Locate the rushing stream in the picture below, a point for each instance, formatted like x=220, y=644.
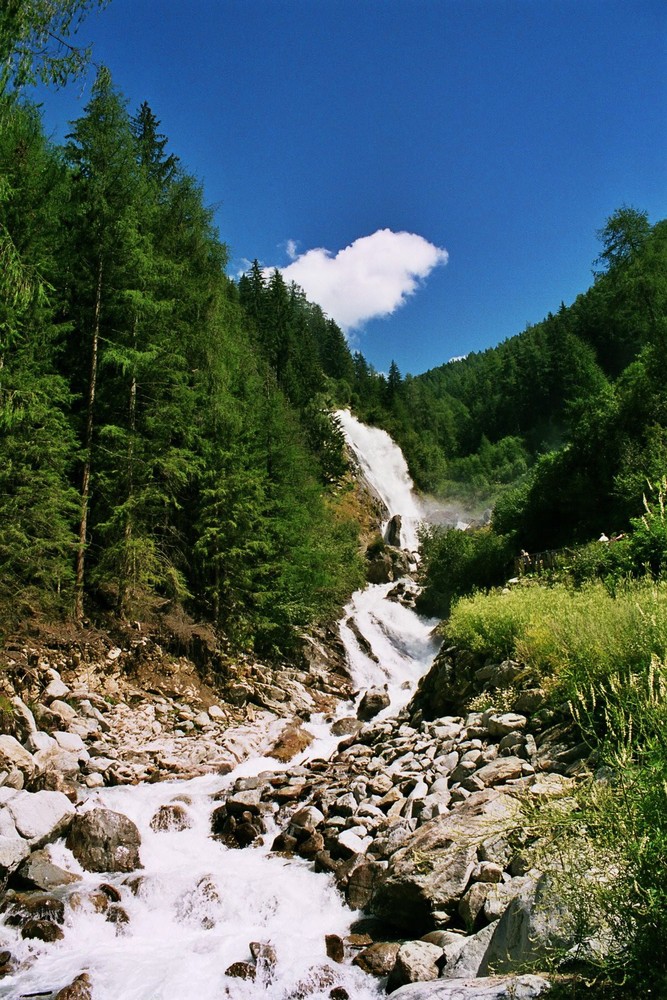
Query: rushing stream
x=199, y=904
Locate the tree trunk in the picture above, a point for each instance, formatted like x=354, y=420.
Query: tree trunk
x=128, y=570
x=85, y=483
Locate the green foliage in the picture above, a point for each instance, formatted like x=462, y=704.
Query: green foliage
x=455, y=563
x=166, y=431
x=603, y=662
x=570, y=638
x=648, y=541
x=33, y=41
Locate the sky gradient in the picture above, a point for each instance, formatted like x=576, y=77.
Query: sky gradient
x=432, y=171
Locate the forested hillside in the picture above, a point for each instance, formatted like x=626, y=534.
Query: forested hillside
x=474, y=425
x=166, y=433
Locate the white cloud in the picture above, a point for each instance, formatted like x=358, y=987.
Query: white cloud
x=371, y=277
x=291, y=249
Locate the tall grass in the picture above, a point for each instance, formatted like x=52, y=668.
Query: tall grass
x=602, y=660
x=571, y=639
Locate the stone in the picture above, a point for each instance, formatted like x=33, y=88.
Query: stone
x=378, y=959
x=416, y=961
x=335, y=947
x=14, y=757
x=352, y=843
x=508, y=722
x=216, y=713
x=492, y=988
x=105, y=841
x=71, y=743
x=348, y=726
x=533, y=925
x=80, y=989
x=24, y=721
x=42, y=930
x=63, y=711
x=56, y=689
x=292, y=740
x=39, y=872
x=471, y=905
x=372, y=703
x=469, y=958
x=13, y=850
x=265, y=958
x=361, y=884
x=41, y=816
x=487, y=871
x=500, y=770
x=171, y=817
x=431, y=872
x=241, y=970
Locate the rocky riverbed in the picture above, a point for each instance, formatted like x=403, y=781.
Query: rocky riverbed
x=418, y=821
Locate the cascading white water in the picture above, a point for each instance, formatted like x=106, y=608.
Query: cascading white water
x=198, y=906
x=198, y=903
x=402, y=643
x=384, y=466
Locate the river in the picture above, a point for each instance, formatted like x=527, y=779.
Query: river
x=198, y=904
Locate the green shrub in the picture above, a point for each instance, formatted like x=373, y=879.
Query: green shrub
x=455, y=563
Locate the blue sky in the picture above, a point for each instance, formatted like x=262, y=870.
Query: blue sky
x=462, y=153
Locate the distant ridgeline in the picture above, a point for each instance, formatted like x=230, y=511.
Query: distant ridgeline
x=166, y=435
x=571, y=413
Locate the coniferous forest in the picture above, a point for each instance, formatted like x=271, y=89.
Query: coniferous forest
x=167, y=435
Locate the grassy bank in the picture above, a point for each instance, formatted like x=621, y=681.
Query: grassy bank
x=601, y=660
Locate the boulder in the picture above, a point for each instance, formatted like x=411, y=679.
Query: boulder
x=105, y=841
x=393, y=531
x=80, y=989
x=24, y=720
x=39, y=872
x=15, y=759
x=466, y=961
x=500, y=770
x=292, y=740
x=41, y=816
x=13, y=850
x=534, y=925
x=373, y=702
x=378, y=959
x=431, y=872
x=416, y=961
x=171, y=817
x=492, y=988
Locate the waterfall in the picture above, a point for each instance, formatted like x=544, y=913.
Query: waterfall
x=196, y=904
x=384, y=467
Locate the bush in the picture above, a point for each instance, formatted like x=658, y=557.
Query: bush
x=455, y=563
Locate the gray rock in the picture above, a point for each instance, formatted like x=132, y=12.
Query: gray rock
x=432, y=870
x=500, y=770
x=493, y=988
x=39, y=872
x=15, y=758
x=13, y=850
x=532, y=927
x=41, y=816
x=56, y=689
x=105, y=841
x=373, y=702
x=470, y=956
x=24, y=720
x=63, y=711
x=378, y=959
x=416, y=961
x=501, y=724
